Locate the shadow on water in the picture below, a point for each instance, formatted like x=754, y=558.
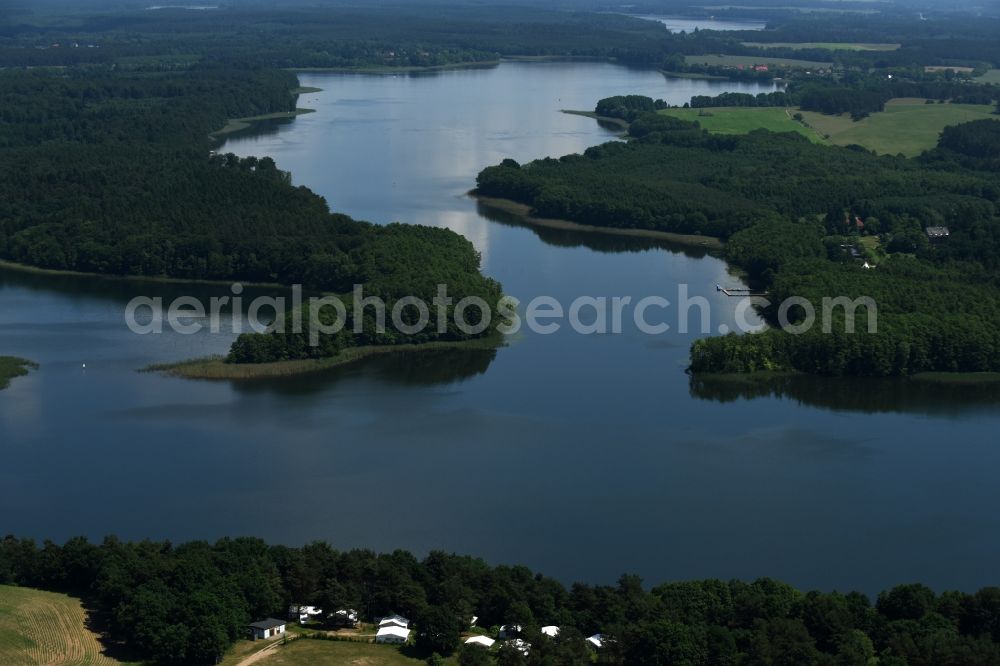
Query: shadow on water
x=425, y=368
x=853, y=394
x=599, y=242
x=121, y=290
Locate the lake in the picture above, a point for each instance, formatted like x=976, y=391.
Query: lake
x=583, y=456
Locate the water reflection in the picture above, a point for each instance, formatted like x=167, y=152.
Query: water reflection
x=868, y=396
x=407, y=368
x=599, y=242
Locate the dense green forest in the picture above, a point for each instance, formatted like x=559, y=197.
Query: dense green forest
x=791, y=211
x=111, y=172
x=188, y=603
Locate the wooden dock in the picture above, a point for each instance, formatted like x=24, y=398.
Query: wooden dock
x=739, y=291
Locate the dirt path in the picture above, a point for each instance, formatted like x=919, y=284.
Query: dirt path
x=266, y=652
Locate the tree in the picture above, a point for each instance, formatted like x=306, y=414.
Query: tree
x=438, y=630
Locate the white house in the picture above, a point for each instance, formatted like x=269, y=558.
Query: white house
x=303, y=614
x=345, y=617
x=392, y=634
x=551, y=631
x=394, y=621
x=480, y=640
x=509, y=631
x=268, y=628
x=596, y=641
x=520, y=645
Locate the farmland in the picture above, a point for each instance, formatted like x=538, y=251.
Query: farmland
x=749, y=61
x=830, y=46
x=740, y=120
x=46, y=628
x=907, y=126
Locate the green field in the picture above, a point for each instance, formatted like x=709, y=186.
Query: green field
x=11, y=367
x=307, y=652
x=739, y=120
x=749, y=61
x=992, y=76
x=46, y=628
x=830, y=46
x=906, y=126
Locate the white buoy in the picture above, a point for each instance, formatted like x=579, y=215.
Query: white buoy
x=84, y=366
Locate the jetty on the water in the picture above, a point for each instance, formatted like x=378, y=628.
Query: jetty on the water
x=739, y=291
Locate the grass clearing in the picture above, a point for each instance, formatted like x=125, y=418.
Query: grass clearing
x=992, y=76
x=11, y=367
x=830, y=46
x=740, y=120
x=750, y=61
x=907, y=126
x=46, y=628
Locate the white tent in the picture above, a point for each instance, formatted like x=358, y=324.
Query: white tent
x=480, y=640
x=551, y=631
x=392, y=634
x=596, y=641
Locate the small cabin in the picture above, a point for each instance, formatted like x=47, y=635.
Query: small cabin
x=269, y=628
x=937, y=233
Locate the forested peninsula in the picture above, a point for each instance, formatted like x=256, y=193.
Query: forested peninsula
x=188, y=603
x=112, y=173
x=809, y=221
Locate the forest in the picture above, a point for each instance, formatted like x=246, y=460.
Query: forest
x=111, y=172
x=790, y=211
x=188, y=603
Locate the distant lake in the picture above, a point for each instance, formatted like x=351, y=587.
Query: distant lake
x=580, y=456
x=679, y=24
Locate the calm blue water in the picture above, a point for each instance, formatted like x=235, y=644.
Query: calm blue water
x=582, y=456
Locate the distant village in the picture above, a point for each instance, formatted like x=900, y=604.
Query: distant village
x=346, y=624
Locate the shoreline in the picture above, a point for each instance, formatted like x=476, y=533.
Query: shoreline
x=403, y=69
x=159, y=279
x=234, y=125
x=929, y=377
x=214, y=368
x=623, y=124
x=523, y=212
x=12, y=367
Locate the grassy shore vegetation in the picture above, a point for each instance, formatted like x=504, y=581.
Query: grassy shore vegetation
x=11, y=367
x=190, y=604
x=39, y=628
x=234, y=125
x=523, y=212
x=221, y=367
x=790, y=211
